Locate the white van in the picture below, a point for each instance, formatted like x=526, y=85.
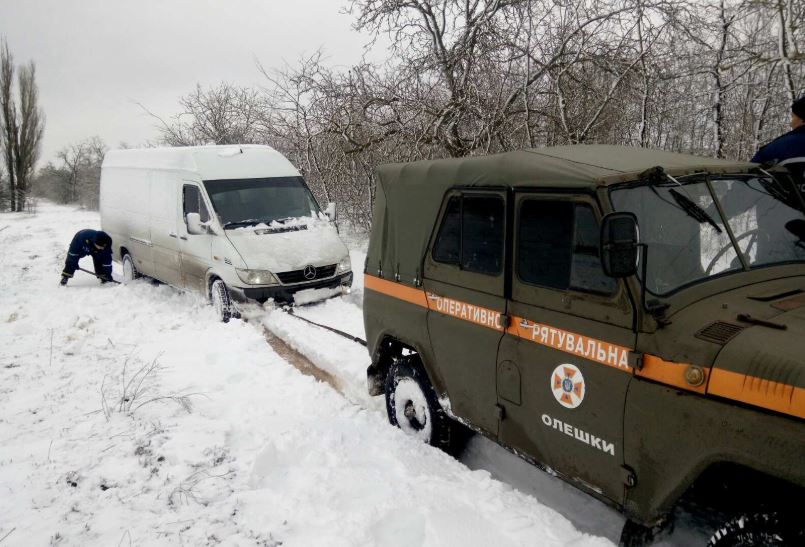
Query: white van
x=233, y=222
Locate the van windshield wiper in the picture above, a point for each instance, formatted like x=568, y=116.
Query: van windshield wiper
x=693, y=210
x=244, y=222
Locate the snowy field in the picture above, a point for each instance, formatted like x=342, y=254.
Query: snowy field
x=130, y=416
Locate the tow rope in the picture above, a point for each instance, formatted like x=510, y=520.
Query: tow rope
x=341, y=333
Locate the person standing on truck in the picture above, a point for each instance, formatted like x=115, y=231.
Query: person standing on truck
x=94, y=243
x=790, y=146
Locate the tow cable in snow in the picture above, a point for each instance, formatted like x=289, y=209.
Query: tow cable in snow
x=341, y=333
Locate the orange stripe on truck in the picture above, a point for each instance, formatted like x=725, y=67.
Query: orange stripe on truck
x=484, y=317
x=671, y=373
x=397, y=290
x=756, y=391
x=783, y=398
x=601, y=352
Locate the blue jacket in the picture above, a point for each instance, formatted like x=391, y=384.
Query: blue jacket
x=83, y=245
x=787, y=146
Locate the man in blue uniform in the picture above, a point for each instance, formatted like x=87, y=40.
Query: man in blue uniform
x=787, y=148
x=92, y=243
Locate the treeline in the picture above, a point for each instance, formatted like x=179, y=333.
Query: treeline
x=464, y=77
x=75, y=175
x=476, y=77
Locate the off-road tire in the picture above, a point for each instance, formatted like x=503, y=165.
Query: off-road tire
x=757, y=530
x=220, y=300
x=412, y=405
x=130, y=272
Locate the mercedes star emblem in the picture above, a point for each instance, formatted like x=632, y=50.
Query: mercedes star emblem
x=309, y=272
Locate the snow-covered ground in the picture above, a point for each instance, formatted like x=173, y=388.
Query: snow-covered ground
x=130, y=416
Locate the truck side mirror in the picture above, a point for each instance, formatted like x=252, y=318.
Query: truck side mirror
x=331, y=212
x=619, y=244
x=194, y=225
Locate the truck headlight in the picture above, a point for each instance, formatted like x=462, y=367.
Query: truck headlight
x=344, y=266
x=256, y=277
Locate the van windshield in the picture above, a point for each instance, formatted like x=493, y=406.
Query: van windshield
x=706, y=226
x=246, y=202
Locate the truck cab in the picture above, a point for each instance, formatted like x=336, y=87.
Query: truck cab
x=630, y=319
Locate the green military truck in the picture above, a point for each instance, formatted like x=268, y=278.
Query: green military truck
x=631, y=319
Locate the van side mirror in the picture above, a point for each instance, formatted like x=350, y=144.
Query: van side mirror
x=619, y=244
x=331, y=212
x=194, y=224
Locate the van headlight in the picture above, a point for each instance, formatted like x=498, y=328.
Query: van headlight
x=344, y=266
x=256, y=277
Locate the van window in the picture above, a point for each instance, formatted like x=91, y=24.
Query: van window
x=247, y=202
x=193, y=203
x=558, y=247
x=471, y=234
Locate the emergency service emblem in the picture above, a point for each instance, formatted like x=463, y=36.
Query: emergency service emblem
x=567, y=384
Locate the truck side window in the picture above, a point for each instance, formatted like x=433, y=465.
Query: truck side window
x=586, y=273
x=482, y=221
x=558, y=247
x=447, y=247
x=471, y=234
x=191, y=197
x=544, y=236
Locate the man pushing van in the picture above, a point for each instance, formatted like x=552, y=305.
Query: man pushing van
x=94, y=243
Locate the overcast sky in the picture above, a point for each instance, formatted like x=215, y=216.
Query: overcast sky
x=96, y=59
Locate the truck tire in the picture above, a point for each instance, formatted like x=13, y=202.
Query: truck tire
x=412, y=406
x=219, y=296
x=130, y=272
x=756, y=530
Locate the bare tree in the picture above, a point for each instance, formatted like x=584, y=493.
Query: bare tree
x=8, y=120
x=79, y=171
x=22, y=126
x=31, y=130
x=486, y=76
x=225, y=114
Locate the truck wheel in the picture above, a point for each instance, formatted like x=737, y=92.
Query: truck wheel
x=412, y=406
x=130, y=272
x=756, y=530
x=219, y=295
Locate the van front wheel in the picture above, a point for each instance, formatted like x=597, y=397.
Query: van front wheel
x=130, y=272
x=412, y=406
x=219, y=295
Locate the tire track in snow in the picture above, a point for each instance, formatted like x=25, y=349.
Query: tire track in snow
x=300, y=362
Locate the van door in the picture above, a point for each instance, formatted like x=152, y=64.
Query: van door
x=464, y=283
x=564, y=364
x=165, y=210
x=195, y=248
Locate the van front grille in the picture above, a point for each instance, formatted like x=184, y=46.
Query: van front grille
x=298, y=276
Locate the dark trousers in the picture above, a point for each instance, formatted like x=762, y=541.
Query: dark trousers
x=71, y=264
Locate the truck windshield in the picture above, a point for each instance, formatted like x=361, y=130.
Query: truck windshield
x=685, y=226
x=246, y=202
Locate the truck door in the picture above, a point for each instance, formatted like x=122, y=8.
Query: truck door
x=165, y=210
x=564, y=364
x=464, y=283
x=195, y=248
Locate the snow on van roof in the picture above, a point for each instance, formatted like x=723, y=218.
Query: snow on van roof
x=209, y=162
